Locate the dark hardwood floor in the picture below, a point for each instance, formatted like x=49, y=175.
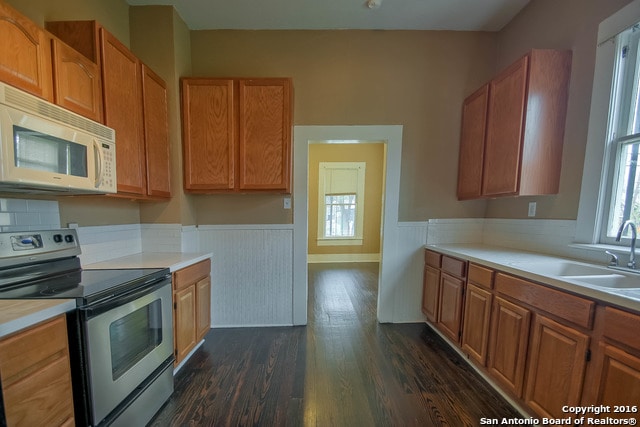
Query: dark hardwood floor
x=342, y=369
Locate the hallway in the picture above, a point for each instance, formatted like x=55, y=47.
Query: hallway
x=343, y=369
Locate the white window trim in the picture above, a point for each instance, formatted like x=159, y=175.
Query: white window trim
x=356, y=240
x=595, y=180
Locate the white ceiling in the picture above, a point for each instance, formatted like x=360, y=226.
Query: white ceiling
x=460, y=15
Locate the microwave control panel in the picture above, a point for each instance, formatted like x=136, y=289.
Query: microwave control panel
x=108, y=171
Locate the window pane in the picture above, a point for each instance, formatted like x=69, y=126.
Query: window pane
x=340, y=215
x=625, y=202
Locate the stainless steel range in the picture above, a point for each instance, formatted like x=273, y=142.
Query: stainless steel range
x=121, y=335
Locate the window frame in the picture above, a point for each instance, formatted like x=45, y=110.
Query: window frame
x=599, y=163
x=357, y=239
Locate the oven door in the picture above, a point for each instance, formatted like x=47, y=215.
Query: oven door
x=127, y=339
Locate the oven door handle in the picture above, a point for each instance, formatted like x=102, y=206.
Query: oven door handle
x=110, y=302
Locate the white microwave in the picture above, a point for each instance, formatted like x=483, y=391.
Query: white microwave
x=48, y=149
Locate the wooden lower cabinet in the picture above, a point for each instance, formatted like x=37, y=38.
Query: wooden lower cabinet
x=475, y=329
x=450, y=310
x=36, y=376
x=557, y=362
x=508, y=344
x=430, y=291
x=192, y=307
x=619, y=378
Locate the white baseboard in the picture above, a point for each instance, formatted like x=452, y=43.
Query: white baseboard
x=324, y=258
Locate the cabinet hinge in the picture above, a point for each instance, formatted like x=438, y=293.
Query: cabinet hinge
x=175, y=305
x=587, y=355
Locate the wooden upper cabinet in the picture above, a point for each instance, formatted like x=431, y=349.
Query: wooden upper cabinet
x=474, y=123
x=25, y=54
x=156, y=133
x=504, y=130
x=77, y=82
x=209, y=134
x=525, y=119
x=134, y=105
x=265, y=134
x=237, y=134
x=121, y=80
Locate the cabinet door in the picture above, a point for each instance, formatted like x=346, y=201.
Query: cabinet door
x=504, y=131
x=265, y=134
x=209, y=132
x=156, y=134
x=474, y=121
x=450, y=312
x=430, y=292
x=185, y=322
x=619, y=378
x=77, y=82
x=556, y=367
x=122, y=84
x=203, y=296
x=508, y=344
x=475, y=330
x=25, y=54
x=36, y=376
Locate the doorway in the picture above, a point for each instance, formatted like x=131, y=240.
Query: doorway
x=303, y=136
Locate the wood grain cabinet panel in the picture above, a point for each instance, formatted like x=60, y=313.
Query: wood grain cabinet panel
x=203, y=312
x=25, y=54
x=471, y=156
x=619, y=378
x=237, y=134
x=209, y=134
x=525, y=118
x=508, y=346
x=450, y=306
x=185, y=322
x=36, y=376
x=477, y=316
x=156, y=134
x=430, y=293
x=122, y=82
x=265, y=134
x=77, y=82
x=556, y=367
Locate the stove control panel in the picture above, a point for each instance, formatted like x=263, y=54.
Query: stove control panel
x=38, y=245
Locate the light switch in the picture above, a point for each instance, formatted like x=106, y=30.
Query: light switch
x=287, y=202
x=532, y=208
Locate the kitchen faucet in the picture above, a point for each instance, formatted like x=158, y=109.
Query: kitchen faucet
x=634, y=232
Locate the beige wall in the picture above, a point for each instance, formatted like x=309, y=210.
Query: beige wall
x=566, y=24
x=373, y=155
x=416, y=79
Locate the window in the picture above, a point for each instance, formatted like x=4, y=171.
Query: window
x=623, y=135
x=341, y=203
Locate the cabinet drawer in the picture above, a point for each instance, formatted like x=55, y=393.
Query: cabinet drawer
x=563, y=305
x=19, y=357
x=454, y=266
x=191, y=274
x=481, y=276
x=622, y=327
x=432, y=258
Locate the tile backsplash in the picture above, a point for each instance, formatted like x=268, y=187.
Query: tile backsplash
x=24, y=214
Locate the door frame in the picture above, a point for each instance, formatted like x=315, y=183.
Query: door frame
x=391, y=136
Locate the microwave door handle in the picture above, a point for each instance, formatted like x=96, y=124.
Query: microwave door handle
x=99, y=162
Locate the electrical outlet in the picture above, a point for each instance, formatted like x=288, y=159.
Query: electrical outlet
x=287, y=202
x=532, y=208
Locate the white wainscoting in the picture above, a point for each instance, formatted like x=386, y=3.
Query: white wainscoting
x=252, y=274
x=105, y=242
x=407, y=290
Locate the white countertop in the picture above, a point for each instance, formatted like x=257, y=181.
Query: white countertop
x=503, y=259
x=172, y=260
x=16, y=315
